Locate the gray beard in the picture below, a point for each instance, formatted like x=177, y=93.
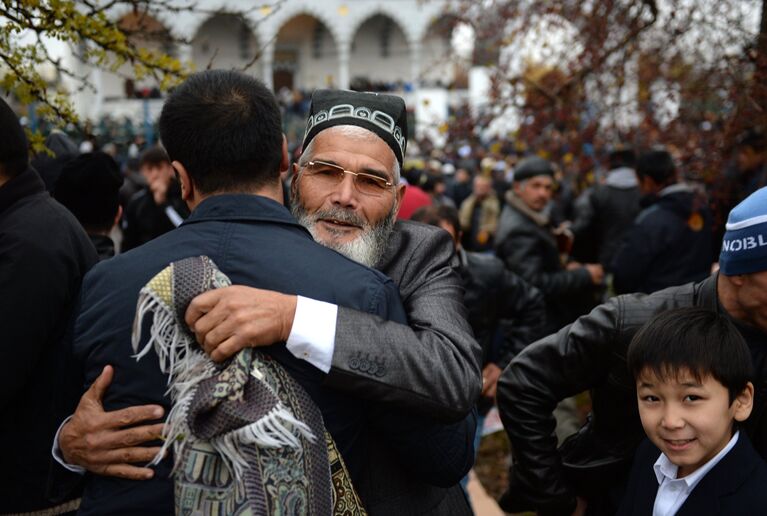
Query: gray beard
x=367, y=249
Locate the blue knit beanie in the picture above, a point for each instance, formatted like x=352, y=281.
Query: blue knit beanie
x=744, y=248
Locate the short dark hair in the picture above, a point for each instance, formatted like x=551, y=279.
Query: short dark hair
x=433, y=215
x=14, y=156
x=658, y=165
x=695, y=339
x=225, y=128
x=88, y=186
x=754, y=139
x=153, y=156
x=622, y=157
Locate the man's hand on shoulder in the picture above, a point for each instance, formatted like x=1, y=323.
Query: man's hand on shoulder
x=229, y=319
x=102, y=443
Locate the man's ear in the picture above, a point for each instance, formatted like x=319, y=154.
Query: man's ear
x=400, y=193
x=187, y=187
x=743, y=403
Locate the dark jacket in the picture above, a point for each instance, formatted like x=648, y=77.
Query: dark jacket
x=603, y=214
x=145, y=220
x=44, y=254
x=735, y=486
x=669, y=244
x=505, y=312
x=255, y=242
x=528, y=248
x=591, y=354
x=105, y=246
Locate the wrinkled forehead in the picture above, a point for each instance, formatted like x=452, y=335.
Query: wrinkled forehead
x=352, y=140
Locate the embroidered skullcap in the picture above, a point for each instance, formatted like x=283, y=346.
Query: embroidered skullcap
x=531, y=167
x=384, y=115
x=744, y=247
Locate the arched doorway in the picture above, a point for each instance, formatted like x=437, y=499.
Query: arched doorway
x=305, y=55
x=380, y=56
x=226, y=41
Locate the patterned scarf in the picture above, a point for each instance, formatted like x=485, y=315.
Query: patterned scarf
x=244, y=433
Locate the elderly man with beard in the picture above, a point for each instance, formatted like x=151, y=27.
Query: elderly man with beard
x=345, y=191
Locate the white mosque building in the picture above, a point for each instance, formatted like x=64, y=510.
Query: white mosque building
x=405, y=46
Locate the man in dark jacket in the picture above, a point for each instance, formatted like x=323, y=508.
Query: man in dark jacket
x=670, y=242
x=747, y=174
x=89, y=186
x=156, y=209
x=527, y=245
x=505, y=312
x=604, y=212
x=591, y=354
x=44, y=254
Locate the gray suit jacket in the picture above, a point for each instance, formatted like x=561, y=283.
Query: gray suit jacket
x=432, y=365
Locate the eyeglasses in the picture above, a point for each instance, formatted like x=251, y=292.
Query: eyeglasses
x=330, y=176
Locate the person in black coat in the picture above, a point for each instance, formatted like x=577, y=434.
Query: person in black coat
x=44, y=254
x=505, y=312
x=606, y=211
x=156, y=209
x=692, y=371
x=527, y=244
x=89, y=187
x=670, y=241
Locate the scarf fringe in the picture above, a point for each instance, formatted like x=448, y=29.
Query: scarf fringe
x=187, y=367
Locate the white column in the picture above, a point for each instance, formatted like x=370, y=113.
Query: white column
x=267, y=61
x=344, y=51
x=415, y=64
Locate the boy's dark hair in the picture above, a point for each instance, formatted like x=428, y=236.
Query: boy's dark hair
x=88, y=186
x=697, y=340
x=153, y=156
x=14, y=157
x=225, y=128
x=433, y=215
x=658, y=165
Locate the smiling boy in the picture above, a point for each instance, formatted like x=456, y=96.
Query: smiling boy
x=692, y=371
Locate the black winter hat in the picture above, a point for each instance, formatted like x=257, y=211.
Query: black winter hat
x=385, y=115
x=531, y=167
x=88, y=186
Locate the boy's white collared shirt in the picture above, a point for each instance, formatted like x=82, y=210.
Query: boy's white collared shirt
x=672, y=491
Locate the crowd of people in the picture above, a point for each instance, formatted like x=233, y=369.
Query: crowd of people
x=231, y=321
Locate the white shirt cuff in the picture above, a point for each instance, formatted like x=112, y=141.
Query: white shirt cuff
x=56, y=451
x=313, y=335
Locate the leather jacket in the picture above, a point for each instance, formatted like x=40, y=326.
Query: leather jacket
x=528, y=248
x=591, y=354
x=496, y=298
x=603, y=214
